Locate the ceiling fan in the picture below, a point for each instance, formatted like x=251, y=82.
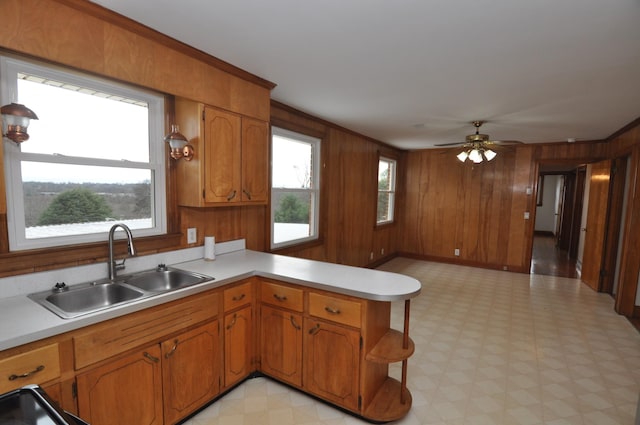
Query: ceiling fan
x=477, y=147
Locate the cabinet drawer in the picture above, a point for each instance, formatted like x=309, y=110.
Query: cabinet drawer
x=125, y=333
x=238, y=296
x=281, y=296
x=39, y=365
x=335, y=309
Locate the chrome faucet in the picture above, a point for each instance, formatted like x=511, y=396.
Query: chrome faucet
x=113, y=263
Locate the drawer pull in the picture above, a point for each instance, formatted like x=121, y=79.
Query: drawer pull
x=231, y=195
x=315, y=329
x=293, y=323
x=233, y=322
x=332, y=310
x=173, y=349
x=150, y=357
x=280, y=298
x=238, y=297
x=27, y=374
x=247, y=193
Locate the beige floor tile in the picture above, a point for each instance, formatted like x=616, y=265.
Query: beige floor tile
x=492, y=347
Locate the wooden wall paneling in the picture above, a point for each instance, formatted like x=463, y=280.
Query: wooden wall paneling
x=254, y=223
x=521, y=230
x=52, y=31
x=629, y=265
x=129, y=57
x=408, y=210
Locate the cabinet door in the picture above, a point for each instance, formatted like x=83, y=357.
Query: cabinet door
x=222, y=156
x=190, y=371
x=332, y=363
x=125, y=391
x=238, y=331
x=255, y=161
x=281, y=344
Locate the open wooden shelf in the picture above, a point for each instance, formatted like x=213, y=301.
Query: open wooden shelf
x=389, y=348
x=387, y=404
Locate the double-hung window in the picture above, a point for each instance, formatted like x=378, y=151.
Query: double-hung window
x=295, y=187
x=94, y=157
x=386, y=190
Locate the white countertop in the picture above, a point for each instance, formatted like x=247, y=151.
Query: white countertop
x=22, y=320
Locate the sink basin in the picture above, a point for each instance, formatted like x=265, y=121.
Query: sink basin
x=76, y=300
x=89, y=298
x=163, y=279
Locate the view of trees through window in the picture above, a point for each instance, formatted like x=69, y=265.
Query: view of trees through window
x=48, y=203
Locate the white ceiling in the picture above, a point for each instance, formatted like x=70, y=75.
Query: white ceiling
x=413, y=73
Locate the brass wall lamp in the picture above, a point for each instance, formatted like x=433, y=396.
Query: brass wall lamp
x=180, y=147
x=15, y=121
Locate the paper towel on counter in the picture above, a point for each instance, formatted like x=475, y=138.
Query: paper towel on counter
x=209, y=248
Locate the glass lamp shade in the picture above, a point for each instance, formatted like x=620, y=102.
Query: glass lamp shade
x=15, y=121
x=462, y=156
x=179, y=144
x=489, y=154
x=475, y=156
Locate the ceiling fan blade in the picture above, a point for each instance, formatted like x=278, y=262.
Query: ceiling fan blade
x=449, y=144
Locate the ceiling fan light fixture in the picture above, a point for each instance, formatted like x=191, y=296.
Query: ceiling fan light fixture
x=462, y=156
x=475, y=156
x=489, y=154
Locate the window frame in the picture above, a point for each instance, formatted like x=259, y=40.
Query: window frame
x=10, y=66
x=314, y=190
x=392, y=192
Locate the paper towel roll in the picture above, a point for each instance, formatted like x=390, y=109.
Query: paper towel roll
x=209, y=248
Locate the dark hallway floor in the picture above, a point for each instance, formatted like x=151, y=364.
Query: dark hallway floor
x=548, y=260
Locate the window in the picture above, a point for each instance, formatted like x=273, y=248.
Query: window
x=295, y=177
x=94, y=157
x=386, y=190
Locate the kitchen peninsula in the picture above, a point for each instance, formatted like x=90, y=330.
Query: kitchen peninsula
x=321, y=328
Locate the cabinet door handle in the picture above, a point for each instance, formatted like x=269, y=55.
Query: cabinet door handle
x=293, y=323
x=280, y=298
x=150, y=357
x=26, y=374
x=238, y=297
x=246, y=192
x=173, y=349
x=315, y=329
x=332, y=310
x=231, y=195
x=233, y=322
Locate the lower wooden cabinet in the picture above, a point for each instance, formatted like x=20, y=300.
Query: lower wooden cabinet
x=190, y=371
x=238, y=345
x=159, y=384
x=281, y=344
x=124, y=391
x=332, y=363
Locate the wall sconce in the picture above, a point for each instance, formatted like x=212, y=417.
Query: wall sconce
x=180, y=147
x=15, y=120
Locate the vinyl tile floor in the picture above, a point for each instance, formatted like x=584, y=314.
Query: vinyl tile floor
x=492, y=347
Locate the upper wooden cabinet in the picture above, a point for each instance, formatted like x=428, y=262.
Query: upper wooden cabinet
x=231, y=162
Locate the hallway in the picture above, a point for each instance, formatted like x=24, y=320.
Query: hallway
x=548, y=260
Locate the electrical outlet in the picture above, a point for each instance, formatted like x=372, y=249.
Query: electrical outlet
x=456, y=252
x=371, y=255
x=381, y=251
x=192, y=235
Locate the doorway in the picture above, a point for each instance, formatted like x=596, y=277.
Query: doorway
x=558, y=216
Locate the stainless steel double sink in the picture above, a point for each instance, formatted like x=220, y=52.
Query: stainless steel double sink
x=73, y=301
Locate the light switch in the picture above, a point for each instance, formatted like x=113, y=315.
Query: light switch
x=526, y=215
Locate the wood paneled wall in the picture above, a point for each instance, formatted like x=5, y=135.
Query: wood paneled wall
x=478, y=208
x=349, y=189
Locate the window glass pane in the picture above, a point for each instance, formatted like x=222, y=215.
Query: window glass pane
x=292, y=215
x=292, y=163
x=64, y=199
x=84, y=123
x=386, y=190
